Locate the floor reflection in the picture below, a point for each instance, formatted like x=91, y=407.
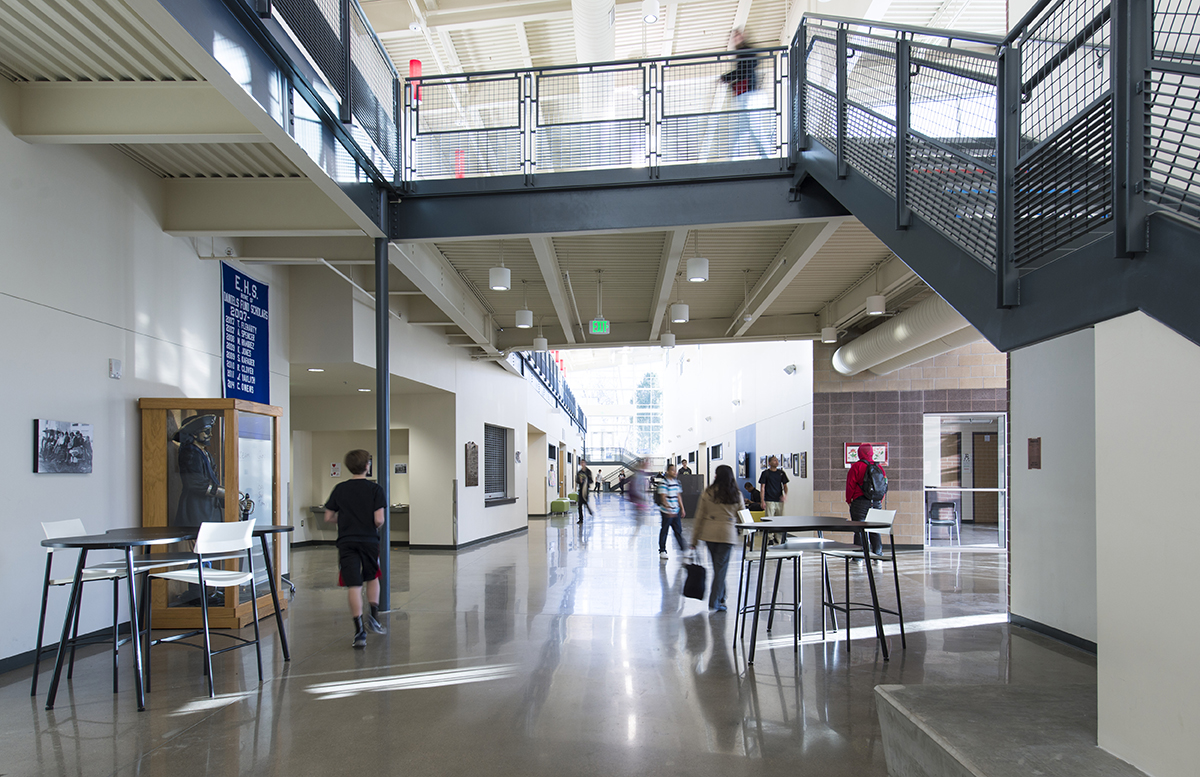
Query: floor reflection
x=569, y=649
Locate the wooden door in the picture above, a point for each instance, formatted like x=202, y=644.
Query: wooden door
x=986, y=450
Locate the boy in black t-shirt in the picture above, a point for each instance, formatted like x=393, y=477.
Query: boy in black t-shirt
x=357, y=505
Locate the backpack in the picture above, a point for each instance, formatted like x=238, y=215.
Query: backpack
x=875, y=483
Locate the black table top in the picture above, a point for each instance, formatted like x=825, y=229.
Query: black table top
x=142, y=536
x=810, y=523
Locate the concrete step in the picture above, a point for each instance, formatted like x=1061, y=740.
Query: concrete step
x=993, y=731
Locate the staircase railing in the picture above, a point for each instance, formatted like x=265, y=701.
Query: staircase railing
x=1072, y=129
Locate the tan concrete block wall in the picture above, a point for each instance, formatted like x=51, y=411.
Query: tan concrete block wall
x=909, y=528
x=974, y=366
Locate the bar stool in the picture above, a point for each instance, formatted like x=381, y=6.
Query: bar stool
x=791, y=550
x=848, y=551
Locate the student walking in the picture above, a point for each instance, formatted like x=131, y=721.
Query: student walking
x=670, y=508
x=583, y=487
x=357, y=505
x=774, y=487
x=860, y=501
x=716, y=519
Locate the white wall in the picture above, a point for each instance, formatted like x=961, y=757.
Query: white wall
x=1053, y=526
x=738, y=385
x=88, y=275
x=1147, y=415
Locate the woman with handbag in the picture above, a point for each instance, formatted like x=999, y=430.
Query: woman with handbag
x=716, y=522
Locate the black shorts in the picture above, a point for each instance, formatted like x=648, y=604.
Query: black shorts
x=357, y=561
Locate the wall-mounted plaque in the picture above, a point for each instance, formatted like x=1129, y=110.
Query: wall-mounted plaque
x=1035, y=453
x=472, y=464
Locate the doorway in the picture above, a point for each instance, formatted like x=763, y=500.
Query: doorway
x=966, y=481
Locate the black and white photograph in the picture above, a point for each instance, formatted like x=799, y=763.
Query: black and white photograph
x=62, y=446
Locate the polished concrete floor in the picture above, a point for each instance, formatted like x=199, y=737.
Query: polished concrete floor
x=567, y=650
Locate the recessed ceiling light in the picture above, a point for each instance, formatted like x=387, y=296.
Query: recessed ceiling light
x=364, y=389
x=315, y=369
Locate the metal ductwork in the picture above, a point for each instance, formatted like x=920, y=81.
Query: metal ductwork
x=595, y=34
x=920, y=325
x=964, y=336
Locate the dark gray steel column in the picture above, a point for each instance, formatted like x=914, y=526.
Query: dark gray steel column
x=383, y=417
x=903, y=113
x=1132, y=49
x=840, y=109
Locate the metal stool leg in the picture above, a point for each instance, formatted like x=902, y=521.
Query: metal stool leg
x=37, y=653
x=774, y=595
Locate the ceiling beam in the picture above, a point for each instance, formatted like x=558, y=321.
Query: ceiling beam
x=547, y=259
x=741, y=15
x=803, y=326
x=796, y=253
x=523, y=42
x=130, y=112
x=252, y=207
x=668, y=266
x=431, y=272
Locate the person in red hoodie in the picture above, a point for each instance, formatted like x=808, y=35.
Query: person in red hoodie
x=859, y=504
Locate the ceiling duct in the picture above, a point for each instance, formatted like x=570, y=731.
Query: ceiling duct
x=595, y=30
x=958, y=339
x=923, y=323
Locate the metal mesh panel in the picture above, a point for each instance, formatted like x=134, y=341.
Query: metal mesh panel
x=871, y=147
x=606, y=95
x=822, y=124
x=871, y=74
x=1173, y=142
x=468, y=154
x=956, y=197
x=317, y=23
x=1064, y=189
x=953, y=98
x=371, y=98
x=495, y=461
x=1177, y=31
x=719, y=136
x=1065, y=66
x=591, y=146
x=701, y=87
x=459, y=104
x=821, y=64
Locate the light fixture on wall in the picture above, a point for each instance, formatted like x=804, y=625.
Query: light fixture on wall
x=650, y=11
x=790, y=369
x=499, y=278
x=524, y=315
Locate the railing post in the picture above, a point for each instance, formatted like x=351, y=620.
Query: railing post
x=903, y=105
x=398, y=112
x=1008, y=149
x=651, y=92
x=528, y=118
x=782, y=114
x=263, y=8
x=345, y=109
x=1132, y=47
x=840, y=108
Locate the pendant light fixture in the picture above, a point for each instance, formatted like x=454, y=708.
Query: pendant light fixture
x=539, y=342
x=499, y=278
x=876, y=303
x=679, y=310
x=666, y=339
x=524, y=315
x=828, y=333
x=697, y=266
x=650, y=11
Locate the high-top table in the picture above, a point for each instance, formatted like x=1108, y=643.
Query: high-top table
x=818, y=523
x=127, y=540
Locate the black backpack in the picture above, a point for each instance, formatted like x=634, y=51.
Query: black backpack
x=874, y=484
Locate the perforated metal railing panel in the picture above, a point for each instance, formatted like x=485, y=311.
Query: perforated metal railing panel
x=317, y=23
x=956, y=196
x=591, y=120
x=1172, y=150
x=372, y=97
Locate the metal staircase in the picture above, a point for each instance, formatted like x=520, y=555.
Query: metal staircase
x=1041, y=182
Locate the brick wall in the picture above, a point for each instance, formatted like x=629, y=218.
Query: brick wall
x=891, y=408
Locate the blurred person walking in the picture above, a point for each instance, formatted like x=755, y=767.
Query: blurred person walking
x=716, y=521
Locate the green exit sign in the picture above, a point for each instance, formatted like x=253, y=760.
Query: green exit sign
x=599, y=326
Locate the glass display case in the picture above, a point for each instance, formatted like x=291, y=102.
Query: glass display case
x=210, y=460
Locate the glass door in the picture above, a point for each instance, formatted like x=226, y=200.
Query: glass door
x=966, y=481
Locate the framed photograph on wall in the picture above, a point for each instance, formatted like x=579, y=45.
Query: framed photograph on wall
x=62, y=446
x=796, y=464
x=471, y=454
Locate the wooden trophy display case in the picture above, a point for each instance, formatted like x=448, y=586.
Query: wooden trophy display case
x=210, y=460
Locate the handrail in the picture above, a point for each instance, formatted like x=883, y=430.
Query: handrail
x=1019, y=28
x=933, y=32
x=514, y=72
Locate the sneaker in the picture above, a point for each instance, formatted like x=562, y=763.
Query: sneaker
x=360, y=639
x=374, y=625
x=662, y=554
x=719, y=608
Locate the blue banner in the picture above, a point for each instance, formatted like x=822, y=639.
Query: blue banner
x=246, y=373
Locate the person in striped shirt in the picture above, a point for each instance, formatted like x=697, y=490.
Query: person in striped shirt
x=670, y=508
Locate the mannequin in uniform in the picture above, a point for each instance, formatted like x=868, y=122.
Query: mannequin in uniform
x=202, y=498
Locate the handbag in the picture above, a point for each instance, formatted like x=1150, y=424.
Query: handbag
x=693, y=584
